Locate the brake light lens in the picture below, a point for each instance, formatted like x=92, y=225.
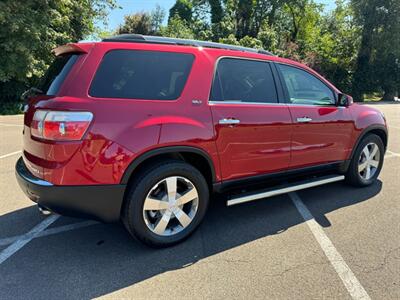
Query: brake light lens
x=60, y=125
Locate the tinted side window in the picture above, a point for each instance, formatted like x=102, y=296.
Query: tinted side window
x=56, y=73
x=304, y=88
x=243, y=81
x=141, y=75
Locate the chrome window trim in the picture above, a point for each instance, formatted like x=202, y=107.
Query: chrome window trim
x=315, y=105
x=266, y=103
x=243, y=103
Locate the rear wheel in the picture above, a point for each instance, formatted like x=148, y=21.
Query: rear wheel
x=367, y=161
x=166, y=203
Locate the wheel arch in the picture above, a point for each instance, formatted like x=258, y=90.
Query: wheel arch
x=379, y=130
x=194, y=156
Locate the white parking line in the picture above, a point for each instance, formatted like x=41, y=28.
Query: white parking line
x=10, y=154
x=391, y=153
x=348, y=278
x=26, y=238
x=51, y=231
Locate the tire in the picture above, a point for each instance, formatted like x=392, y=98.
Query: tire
x=357, y=175
x=149, y=206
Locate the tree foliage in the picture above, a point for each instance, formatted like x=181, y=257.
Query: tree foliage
x=30, y=29
x=356, y=45
x=143, y=22
x=378, y=62
x=298, y=29
x=182, y=9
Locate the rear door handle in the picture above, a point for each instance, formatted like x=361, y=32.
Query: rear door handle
x=304, y=120
x=229, y=121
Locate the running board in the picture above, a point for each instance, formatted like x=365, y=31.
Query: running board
x=283, y=189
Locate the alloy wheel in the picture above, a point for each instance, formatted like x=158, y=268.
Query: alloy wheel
x=170, y=206
x=368, y=162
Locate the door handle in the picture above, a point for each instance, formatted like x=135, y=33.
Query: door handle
x=304, y=120
x=229, y=121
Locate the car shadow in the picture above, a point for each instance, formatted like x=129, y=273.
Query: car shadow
x=100, y=259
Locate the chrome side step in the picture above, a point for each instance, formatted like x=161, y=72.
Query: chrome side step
x=283, y=189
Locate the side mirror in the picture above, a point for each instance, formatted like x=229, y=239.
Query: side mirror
x=344, y=100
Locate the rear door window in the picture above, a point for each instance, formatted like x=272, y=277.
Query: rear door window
x=56, y=73
x=135, y=74
x=243, y=80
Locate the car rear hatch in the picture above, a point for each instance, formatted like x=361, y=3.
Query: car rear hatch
x=52, y=132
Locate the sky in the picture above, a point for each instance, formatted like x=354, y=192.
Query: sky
x=116, y=16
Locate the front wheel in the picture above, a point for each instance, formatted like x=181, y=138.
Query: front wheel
x=367, y=161
x=166, y=203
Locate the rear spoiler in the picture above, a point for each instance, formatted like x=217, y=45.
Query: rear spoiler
x=72, y=47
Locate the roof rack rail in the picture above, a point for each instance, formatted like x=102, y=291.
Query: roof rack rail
x=138, y=38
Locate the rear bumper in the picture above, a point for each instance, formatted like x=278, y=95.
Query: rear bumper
x=99, y=202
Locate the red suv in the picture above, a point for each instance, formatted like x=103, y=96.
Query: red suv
x=143, y=129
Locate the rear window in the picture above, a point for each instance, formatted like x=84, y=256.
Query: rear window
x=135, y=74
x=56, y=73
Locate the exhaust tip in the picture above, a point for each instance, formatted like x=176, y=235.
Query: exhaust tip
x=44, y=211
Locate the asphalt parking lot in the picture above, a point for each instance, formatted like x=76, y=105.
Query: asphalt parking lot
x=332, y=241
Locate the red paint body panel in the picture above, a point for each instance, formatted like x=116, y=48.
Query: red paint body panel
x=259, y=144
x=327, y=138
x=267, y=140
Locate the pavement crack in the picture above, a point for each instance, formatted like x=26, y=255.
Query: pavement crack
x=236, y=260
x=380, y=265
x=297, y=267
x=275, y=274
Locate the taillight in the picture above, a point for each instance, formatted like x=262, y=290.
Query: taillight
x=60, y=125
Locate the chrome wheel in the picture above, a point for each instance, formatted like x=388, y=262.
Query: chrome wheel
x=170, y=206
x=369, y=160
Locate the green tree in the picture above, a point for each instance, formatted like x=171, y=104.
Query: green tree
x=188, y=19
x=378, y=57
x=139, y=23
x=230, y=39
x=30, y=29
x=177, y=28
x=356, y=45
x=251, y=42
x=182, y=9
x=332, y=49
x=216, y=11
x=386, y=63
x=365, y=16
x=157, y=18
x=146, y=23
